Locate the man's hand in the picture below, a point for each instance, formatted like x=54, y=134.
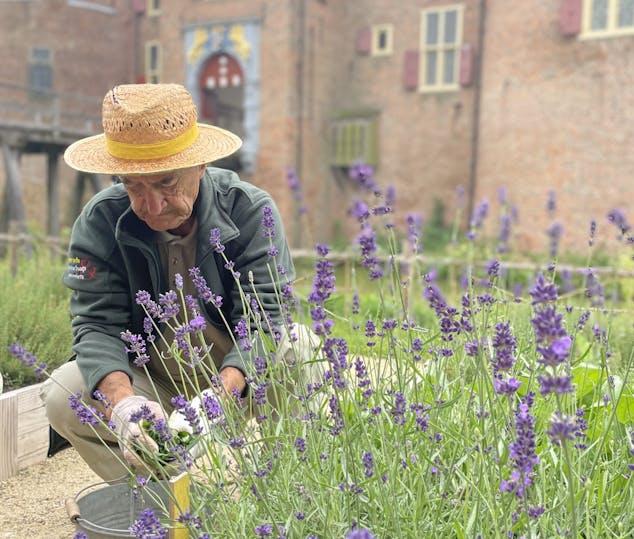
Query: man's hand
x=133, y=440
x=233, y=381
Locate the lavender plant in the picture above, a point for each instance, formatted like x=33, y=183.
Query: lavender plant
x=424, y=410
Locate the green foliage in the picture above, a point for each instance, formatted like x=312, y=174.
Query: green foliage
x=436, y=233
x=399, y=421
x=34, y=314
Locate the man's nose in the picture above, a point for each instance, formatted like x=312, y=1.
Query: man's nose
x=154, y=201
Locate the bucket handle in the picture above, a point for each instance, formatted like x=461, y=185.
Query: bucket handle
x=72, y=507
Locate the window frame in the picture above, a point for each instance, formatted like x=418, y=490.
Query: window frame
x=153, y=8
x=153, y=74
x=40, y=63
x=360, y=128
x=612, y=29
x=440, y=48
x=377, y=30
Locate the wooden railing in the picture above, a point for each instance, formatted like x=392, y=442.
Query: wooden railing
x=72, y=115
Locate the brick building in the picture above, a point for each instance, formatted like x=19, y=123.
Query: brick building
x=435, y=94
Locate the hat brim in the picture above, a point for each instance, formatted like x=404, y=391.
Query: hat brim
x=91, y=155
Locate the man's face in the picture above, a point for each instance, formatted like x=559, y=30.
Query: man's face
x=165, y=201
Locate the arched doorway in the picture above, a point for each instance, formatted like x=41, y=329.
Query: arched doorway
x=221, y=85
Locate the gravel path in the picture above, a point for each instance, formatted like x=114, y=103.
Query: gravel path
x=33, y=501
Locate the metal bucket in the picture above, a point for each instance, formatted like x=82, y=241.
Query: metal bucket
x=111, y=510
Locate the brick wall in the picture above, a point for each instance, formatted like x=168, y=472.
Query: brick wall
x=555, y=112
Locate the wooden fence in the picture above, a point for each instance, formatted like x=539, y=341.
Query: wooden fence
x=24, y=439
x=16, y=244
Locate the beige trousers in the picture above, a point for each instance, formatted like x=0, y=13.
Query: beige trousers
x=98, y=446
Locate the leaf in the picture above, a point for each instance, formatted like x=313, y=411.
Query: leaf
x=586, y=377
x=625, y=408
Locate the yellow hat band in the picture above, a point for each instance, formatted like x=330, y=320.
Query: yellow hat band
x=155, y=150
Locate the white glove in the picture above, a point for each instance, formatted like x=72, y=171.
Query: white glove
x=178, y=423
x=131, y=436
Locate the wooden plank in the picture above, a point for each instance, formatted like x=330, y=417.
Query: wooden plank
x=32, y=432
x=28, y=398
x=24, y=427
x=9, y=437
x=32, y=448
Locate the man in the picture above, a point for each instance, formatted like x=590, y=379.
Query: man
x=141, y=235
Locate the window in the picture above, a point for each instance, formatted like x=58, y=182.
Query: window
x=152, y=62
x=382, y=37
x=441, y=39
x=153, y=7
x=608, y=17
x=354, y=139
x=41, y=70
x=99, y=7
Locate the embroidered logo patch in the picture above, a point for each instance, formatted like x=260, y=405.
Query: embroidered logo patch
x=81, y=268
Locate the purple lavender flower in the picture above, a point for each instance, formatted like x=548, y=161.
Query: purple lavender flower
x=594, y=289
x=551, y=204
x=148, y=526
x=504, y=234
x=583, y=319
x=502, y=196
x=477, y=219
x=593, y=231
x=554, y=233
x=215, y=241
x=562, y=428
x=296, y=189
x=87, y=414
x=363, y=175
x=300, y=444
x=204, y=292
x=26, y=358
x=414, y=228
x=360, y=210
x=493, y=269
x=144, y=299
x=557, y=352
x=368, y=463
x=522, y=450
x=169, y=305
x=555, y=384
x=263, y=530
x=143, y=413
x=543, y=291
x=471, y=348
x=268, y=222
x=335, y=415
x=211, y=405
x=323, y=287
x=436, y=300
x=367, y=242
x=548, y=326
x=504, y=344
x=136, y=346
x=582, y=427
x=399, y=409
x=617, y=217
x=178, y=281
x=189, y=412
x=506, y=386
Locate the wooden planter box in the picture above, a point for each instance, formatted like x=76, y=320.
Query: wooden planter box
x=24, y=438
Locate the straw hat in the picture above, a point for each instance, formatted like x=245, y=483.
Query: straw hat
x=150, y=128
